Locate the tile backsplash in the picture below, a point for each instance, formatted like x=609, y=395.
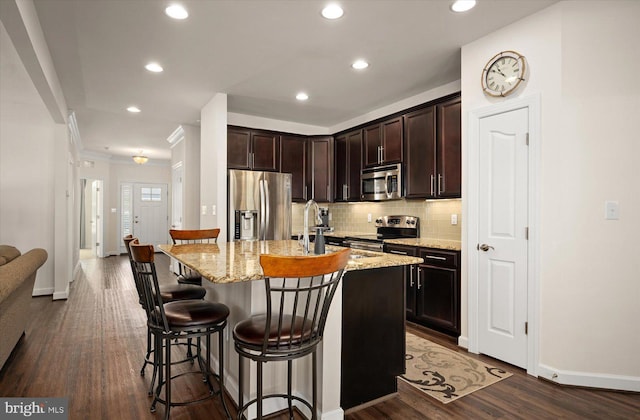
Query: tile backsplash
x=435, y=216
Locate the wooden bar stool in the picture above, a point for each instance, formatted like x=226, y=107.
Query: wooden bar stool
x=193, y=236
x=169, y=293
x=299, y=291
x=169, y=321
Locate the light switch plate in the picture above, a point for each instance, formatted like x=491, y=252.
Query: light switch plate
x=213, y=209
x=369, y=217
x=204, y=210
x=611, y=210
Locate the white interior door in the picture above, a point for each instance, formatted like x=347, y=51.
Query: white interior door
x=176, y=206
x=97, y=245
x=502, y=236
x=150, y=207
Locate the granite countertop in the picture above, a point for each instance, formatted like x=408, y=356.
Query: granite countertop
x=428, y=243
x=233, y=262
x=422, y=242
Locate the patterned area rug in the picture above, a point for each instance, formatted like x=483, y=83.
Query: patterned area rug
x=444, y=374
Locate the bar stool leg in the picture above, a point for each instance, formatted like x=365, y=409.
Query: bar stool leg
x=221, y=372
x=259, y=402
x=240, y=388
x=289, y=400
x=167, y=389
x=314, y=378
x=158, y=363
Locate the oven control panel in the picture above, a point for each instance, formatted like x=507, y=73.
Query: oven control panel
x=398, y=221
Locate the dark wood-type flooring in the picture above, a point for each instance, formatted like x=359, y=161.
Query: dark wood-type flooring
x=89, y=348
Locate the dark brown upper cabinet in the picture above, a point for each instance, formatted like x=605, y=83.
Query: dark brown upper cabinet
x=382, y=142
x=432, y=140
x=348, y=163
x=320, y=167
x=252, y=149
x=449, y=148
x=293, y=160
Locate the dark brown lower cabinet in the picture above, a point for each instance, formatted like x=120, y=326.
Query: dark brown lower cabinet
x=373, y=334
x=432, y=288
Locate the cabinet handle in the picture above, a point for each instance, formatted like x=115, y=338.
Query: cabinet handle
x=433, y=257
x=305, y=192
x=398, y=252
x=381, y=154
x=418, y=279
x=411, y=277
x=345, y=192
x=328, y=192
x=433, y=185
x=440, y=183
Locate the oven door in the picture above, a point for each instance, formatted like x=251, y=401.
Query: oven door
x=382, y=183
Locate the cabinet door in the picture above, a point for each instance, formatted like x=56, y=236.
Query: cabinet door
x=320, y=168
x=265, y=151
x=438, y=297
x=371, y=143
x=354, y=159
x=409, y=273
x=420, y=153
x=392, y=141
x=293, y=160
x=238, y=148
x=449, y=149
x=342, y=166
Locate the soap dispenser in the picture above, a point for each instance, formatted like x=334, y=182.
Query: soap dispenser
x=318, y=246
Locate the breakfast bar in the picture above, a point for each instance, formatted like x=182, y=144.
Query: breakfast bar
x=364, y=335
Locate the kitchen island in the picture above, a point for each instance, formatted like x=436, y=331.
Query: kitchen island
x=362, y=351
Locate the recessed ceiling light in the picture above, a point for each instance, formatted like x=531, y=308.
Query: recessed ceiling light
x=463, y=5
x=154, y=67
x=302, y=96
x=176, y=11
x=332, y=11
x=133, y=109
x=360, y=64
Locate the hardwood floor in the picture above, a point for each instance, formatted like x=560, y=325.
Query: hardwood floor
x=89, y=348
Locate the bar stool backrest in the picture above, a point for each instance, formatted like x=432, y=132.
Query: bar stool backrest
x=193, y=236
x=128, y=240
x=145, y=268
x=299, y=292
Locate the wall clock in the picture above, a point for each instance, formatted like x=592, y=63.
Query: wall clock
x=503, y=73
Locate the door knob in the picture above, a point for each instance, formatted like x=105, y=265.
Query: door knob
x=485, y=247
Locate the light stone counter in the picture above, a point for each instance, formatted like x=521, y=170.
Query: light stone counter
x=233, y=262
x=428, y=243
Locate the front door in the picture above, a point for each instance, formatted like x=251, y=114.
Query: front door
x=150, y=224
x=502, y=236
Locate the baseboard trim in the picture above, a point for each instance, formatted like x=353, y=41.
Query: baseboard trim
x=589, y=379
x=62, y=295
x=463, y=342
x=337, y=414
x=42, y=291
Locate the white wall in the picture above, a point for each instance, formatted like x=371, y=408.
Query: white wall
x=584, y=64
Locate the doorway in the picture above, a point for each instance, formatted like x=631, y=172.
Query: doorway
x=144, y=212
x=91, y=225
x=502, y=232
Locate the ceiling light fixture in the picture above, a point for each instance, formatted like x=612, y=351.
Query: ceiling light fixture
x=460, y=6
x=133, y=109
x=176, y=11
x=332, y=11
x=140, y=159
x=360, y=64
x=302, y=96
x=154, y=67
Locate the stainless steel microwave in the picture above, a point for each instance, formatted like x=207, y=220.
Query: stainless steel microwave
x=381, y=183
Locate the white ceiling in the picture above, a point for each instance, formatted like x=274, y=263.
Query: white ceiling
x=260, y=53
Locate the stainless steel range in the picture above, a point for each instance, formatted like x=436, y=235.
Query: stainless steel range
x=387, y=227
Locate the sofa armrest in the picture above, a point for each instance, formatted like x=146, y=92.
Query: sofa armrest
x=14, y=273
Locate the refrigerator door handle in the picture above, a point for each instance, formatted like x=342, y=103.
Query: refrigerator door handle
x=267, y=218
x=262, y=210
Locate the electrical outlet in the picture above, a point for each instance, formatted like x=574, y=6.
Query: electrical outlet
x=612, y=210
x=369, y=218
x=454, y=219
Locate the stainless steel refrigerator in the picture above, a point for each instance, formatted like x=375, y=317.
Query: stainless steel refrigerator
x=259, y=205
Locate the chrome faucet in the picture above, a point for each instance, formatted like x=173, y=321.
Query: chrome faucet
x=305, y=242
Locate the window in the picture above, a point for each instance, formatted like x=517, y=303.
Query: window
x=150, y=194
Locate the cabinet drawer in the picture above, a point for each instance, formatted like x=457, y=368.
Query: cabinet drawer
x=400, y=250
x=439, y=257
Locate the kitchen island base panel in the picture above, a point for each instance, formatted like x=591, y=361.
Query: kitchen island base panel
x=373, y=334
